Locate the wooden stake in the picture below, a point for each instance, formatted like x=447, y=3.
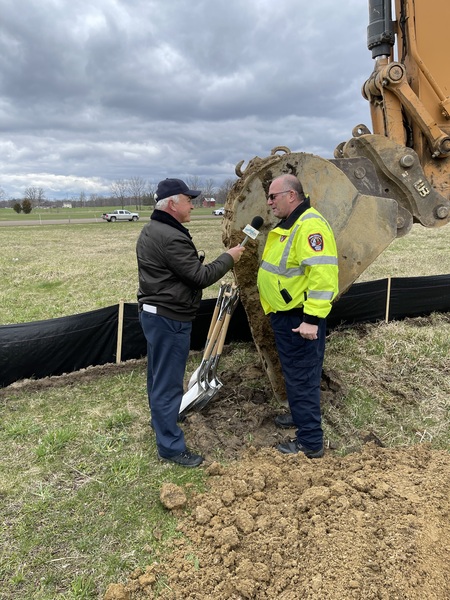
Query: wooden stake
x=119, y=333
x=388, y=299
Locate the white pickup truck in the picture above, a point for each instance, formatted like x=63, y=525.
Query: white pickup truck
x=120, y=215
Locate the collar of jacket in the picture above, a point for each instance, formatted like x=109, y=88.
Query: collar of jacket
x=299, y=210
x=163, y=217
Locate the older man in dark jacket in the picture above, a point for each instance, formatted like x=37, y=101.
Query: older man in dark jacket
x=171, y=280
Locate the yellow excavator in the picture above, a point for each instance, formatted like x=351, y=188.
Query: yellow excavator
x=379, y=183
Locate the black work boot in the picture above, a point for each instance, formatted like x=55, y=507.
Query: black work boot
x=184, y=459
x=284, y=421
x=294, y=447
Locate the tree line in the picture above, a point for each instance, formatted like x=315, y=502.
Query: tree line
x=135, y=191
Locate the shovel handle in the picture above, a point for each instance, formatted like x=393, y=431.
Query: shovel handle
x=223, y=334
x=216, y=310
x=224, y=329
x=212, y=340
x=226, y=298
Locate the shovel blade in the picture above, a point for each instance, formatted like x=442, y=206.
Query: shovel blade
x=193, y=379
x=190, y=396
x=197, y=397
x=208, y=396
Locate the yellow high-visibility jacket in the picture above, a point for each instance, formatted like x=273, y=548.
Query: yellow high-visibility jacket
x=303, y=261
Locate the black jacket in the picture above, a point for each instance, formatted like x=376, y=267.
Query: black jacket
x=171, y=275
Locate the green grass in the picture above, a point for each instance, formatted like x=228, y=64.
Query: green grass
x=50, y=271
x=45, y=214
x=396, y=381
x=79, y=478
x=80, y=488
x=420, y=253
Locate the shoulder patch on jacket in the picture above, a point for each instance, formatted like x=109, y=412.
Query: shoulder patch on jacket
x=316, y=242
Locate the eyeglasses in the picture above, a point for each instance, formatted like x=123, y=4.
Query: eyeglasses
x=272, y=197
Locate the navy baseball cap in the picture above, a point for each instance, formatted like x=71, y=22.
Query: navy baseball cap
x=172, y=187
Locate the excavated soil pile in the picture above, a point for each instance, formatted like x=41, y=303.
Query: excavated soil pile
x=372, y=525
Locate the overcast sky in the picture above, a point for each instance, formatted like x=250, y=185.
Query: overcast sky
x=93, y=91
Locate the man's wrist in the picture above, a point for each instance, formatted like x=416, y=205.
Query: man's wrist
x=311, y=319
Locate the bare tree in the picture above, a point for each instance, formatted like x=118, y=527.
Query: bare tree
x=94, y=199
x=149, y=196
x=137, y=187
x=208, y=188
x=223, y=191
x=119, y=190
x=34, y=195
x=195, y=183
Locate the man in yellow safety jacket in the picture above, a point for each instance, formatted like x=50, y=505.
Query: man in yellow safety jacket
x=297, y=281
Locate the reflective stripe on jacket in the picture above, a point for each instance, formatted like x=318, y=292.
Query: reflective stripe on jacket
x=303, y=261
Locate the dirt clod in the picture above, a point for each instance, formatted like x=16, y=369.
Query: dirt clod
x=172, y=496
x=116, y=591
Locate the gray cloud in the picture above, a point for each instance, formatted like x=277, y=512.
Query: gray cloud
x=91, y=92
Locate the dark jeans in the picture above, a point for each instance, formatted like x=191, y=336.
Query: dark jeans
x=301, y=362
x=168, y=343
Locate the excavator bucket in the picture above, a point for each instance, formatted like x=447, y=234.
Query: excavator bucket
x=378, y=183
x=364, y=224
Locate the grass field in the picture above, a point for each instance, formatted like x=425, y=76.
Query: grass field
x=79, y=479
x=50, y=271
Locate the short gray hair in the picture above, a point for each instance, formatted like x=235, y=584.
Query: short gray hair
x=164, y=203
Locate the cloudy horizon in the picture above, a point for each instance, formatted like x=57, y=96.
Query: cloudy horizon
x=95, y=92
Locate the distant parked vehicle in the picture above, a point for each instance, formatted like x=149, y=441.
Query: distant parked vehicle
x=218, y=212
x=120, y=215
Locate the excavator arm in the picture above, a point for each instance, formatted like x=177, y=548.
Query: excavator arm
x=378, y=184
x=410, y=107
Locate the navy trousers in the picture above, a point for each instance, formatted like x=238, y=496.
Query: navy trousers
x=168, y=344
x=301, y=362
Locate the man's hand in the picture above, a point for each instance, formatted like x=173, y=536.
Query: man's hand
x=236, y=252
x=307, y=331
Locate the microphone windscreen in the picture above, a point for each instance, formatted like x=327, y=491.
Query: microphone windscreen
x=257, y=222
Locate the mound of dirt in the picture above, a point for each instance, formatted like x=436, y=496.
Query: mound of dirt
x=372, y=525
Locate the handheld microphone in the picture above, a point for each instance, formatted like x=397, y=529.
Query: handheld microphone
x=252, y=231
